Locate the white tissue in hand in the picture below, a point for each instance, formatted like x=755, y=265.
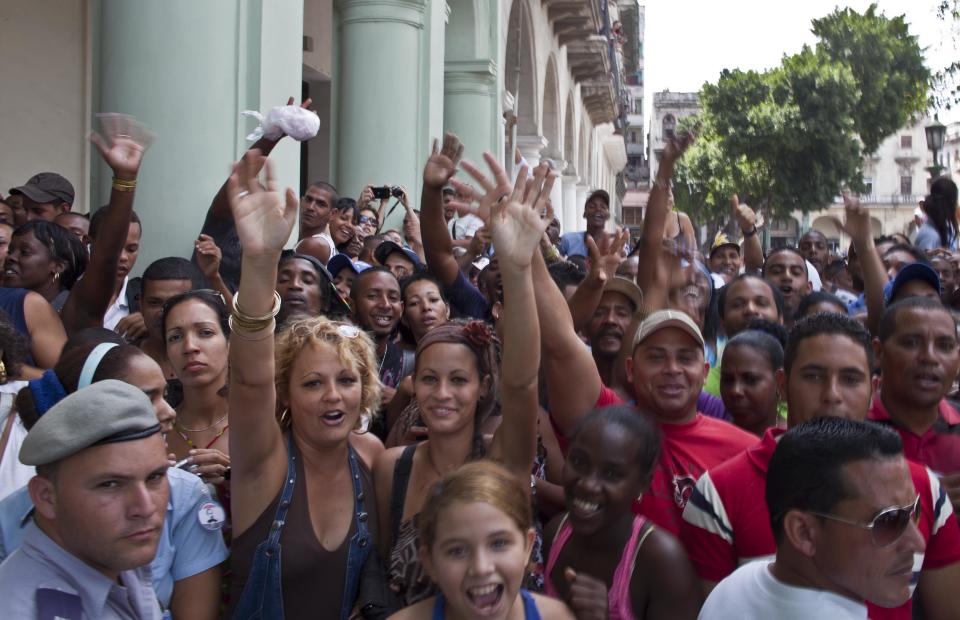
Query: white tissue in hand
x=298, y=123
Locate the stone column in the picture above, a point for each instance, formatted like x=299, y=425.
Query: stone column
x=579, y=222
x=530, y=147
x=470, y=106
x=571, y=210
x=382, y=132
x=187, y=69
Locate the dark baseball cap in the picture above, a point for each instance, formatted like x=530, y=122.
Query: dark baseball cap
x=387, y=248
x=46, y=187
x=601, y=194
x=913, y=271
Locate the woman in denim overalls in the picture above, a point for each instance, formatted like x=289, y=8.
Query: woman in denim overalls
x=303, y=514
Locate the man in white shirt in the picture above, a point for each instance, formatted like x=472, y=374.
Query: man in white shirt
x=843, y=511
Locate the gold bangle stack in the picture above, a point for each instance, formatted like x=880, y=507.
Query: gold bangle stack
x=242, y=323
x=124, y=185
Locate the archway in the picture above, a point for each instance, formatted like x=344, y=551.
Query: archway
x=551, y=111
x=519, y=63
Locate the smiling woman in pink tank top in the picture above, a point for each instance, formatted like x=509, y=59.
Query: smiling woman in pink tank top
x=598, y=550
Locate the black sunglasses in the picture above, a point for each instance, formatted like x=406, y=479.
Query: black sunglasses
x=888, y=525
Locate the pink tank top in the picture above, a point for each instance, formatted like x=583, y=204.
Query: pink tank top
x=618, y=596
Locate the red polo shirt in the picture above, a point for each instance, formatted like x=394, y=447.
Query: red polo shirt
x=726, y=521
x=686, y=452
x=938, y=448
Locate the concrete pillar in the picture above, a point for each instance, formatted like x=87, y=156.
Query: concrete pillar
x=383, y=133
x=470, y=106
x=531, y=147
x=579, y=223
x=187, y=69
x=571, y=210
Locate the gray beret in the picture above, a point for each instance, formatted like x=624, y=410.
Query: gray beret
x=106, y=412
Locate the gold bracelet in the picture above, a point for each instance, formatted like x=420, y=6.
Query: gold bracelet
x=124, y=185
x=244, y=333
x=243, y=317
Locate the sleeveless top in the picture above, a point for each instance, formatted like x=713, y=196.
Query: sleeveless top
x=407, y=577
x=11, y=302
x=325, y=237
x=310, y=572
x=618, y=595
x=530, y=611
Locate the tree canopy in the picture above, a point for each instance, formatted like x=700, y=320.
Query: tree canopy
x=789, y=138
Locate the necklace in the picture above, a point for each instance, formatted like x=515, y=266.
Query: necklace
x=183, y=430
x=200, y=430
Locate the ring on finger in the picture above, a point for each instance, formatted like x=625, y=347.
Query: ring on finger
x=242, y=194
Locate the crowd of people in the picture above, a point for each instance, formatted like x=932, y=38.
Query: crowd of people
x=475, y=416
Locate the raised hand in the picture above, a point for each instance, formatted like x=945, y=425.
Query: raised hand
x=123, y=145
x=492, y=193
x=607, y=254
x=857, y=221
x=264, y=218
x=208, y=256
x=517, y=222
x=676, y=146
x=587, y=597
x=442, y=164
x=745, y=216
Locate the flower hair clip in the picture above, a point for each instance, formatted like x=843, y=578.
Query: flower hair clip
x=478, y=333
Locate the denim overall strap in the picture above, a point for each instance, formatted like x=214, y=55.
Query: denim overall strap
x=360, y=542
x=262, y=595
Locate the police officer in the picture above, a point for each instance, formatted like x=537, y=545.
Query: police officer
x=100, y=494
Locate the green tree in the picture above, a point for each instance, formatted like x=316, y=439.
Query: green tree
x=789, y=138
x=887, y=64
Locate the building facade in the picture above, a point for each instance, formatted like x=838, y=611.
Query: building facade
x=386, y=78
x=668, y=109
x=636, y=175
x=896, y=178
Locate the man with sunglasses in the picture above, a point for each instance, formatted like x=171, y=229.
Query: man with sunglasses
x=844, y=517
x=827, y=365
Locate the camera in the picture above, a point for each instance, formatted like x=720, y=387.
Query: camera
x=381, y=193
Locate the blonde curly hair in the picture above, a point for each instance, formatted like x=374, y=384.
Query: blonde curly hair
x=352, y=345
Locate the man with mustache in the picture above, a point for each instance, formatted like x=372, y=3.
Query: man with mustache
x=919, y=358
x=827, y=364
x=619, y=302
x=100, y=495
x=841, y=509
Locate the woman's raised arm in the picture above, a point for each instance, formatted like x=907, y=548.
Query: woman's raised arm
x=264, y=219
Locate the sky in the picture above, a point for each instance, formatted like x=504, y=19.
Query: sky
x=688, y=42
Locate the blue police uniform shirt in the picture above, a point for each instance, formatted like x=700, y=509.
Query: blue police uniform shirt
x=191, y=541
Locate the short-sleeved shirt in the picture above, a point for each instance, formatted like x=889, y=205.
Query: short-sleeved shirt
x=686, y=451
x=753, y=592
x=186, y=547
x=41, y=564
x=465, y=227
x=938, y=448
x=574, y=244
x=466, y=300
x=118, y=309
x=727, y=524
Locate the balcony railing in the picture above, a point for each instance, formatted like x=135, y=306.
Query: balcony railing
x=885, y=199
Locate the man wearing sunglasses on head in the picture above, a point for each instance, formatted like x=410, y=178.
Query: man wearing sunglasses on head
x=827, y=364
x=844, y=516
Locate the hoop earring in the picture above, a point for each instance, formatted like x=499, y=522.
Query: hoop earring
x=283, y=417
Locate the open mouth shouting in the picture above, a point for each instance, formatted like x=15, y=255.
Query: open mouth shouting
x=485, y=600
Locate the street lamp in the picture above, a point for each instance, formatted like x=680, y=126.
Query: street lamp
x=936, y=133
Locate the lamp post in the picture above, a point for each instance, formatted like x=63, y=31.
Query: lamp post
x=935, y=136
